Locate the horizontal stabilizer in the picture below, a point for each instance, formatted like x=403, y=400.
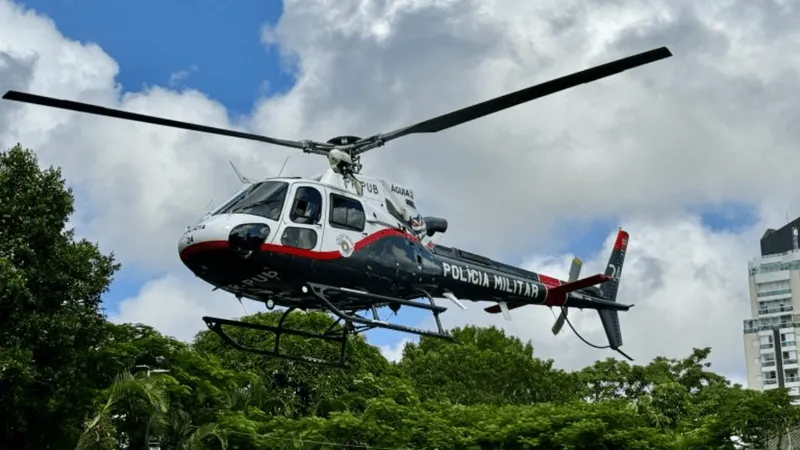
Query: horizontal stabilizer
x=558, y=295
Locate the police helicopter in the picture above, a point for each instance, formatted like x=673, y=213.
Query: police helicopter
x=348, y=244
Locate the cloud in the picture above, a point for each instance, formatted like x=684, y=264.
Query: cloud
x=394, y=352
x=712, y=125
x=174, y=305
x=180, y=76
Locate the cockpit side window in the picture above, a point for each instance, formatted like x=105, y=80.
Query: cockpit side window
x=346, y=213
x=307, y=206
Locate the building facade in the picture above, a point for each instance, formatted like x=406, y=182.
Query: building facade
x=770, y=337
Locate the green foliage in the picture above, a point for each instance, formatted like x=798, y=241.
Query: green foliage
x=484, y=367
x=51, y=287
x=69, y=379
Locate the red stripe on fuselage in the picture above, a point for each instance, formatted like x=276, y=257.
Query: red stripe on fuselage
x=299, y=252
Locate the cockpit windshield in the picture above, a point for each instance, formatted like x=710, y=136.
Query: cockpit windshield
x=263, y=199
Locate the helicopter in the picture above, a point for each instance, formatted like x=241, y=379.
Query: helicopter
x=348, y=244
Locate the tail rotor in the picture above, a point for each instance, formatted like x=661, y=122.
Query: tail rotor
x=574, y=273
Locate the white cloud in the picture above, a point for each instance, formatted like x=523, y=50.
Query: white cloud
x=175, y=304
x=712, y=124
x=180, y=76
x=394, y=352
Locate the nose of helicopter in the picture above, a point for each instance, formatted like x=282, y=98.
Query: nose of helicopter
x=213, y=249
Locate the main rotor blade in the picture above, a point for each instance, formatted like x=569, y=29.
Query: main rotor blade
x=497, y=104
x=102, y=111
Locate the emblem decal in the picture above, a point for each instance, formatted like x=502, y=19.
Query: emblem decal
x=345, y=245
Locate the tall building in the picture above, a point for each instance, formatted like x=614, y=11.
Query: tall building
x=770, y=345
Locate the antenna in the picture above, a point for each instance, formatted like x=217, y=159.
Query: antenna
x=242, y=178
x=284, y=165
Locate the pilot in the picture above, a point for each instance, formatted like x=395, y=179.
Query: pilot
x=305, y=212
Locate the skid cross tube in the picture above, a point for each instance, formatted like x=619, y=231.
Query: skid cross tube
x=320, y=291
x=215, y=324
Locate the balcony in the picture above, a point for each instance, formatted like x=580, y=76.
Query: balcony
x=771, y=323
x=775, y=310
x=794, y=379
x=773, y=263
x=766, y=346
x=772, y=293
x=790, y=361
x=787, y=344
x=770, y=381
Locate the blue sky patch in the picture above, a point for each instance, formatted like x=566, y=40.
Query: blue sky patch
x=729, y=216
x=127, y=283
x=208, y=45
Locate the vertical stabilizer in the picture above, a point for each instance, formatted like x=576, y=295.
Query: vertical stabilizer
x=610, y=318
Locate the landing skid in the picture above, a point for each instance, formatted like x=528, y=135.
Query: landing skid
x=348, y=323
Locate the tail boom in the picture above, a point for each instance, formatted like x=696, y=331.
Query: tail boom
x=558, y=293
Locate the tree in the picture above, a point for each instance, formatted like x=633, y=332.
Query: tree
x=133, y=404
x=51, y=286
x=684, y=398
x=484, y=366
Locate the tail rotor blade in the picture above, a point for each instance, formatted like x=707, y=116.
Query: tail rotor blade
x=560, y=321
x=575, y=269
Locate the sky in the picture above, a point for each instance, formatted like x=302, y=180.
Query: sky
x=693, y=155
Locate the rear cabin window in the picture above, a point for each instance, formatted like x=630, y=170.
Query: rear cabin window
x=346, y=213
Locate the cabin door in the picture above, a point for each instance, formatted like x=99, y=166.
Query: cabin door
x=303, y=224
